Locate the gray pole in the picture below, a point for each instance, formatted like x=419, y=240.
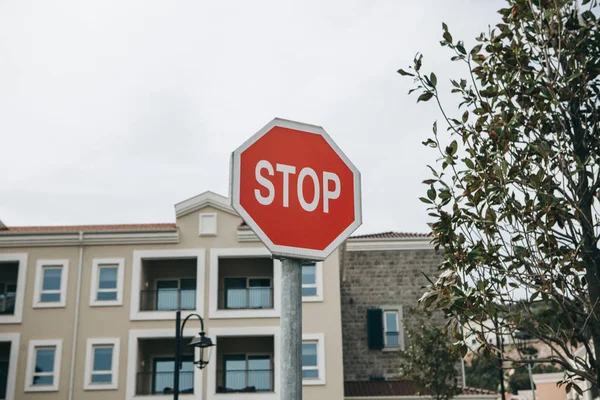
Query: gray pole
x=291, y=329
x=531, y=380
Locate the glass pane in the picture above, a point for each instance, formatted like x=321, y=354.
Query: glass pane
x=43, y=380
x=259, y=374
x=51, y=279
x=235, y=372
x=309, y=354
x=108, y=278
x=101, y=378
x=310, y=373
x=49, y=297
x=189, y=284
x=309, y=291
x=167, y=295
x=106, y=296
x=308, y=274
x=163, y=375
x=391, y=339
x=167, y=285
x=188, y=299
x=259, y=282
x=391, y=322
x=103, y=358
x=236, y=295
x=259, y=297
x=44, y=360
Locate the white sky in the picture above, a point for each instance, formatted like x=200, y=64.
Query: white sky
x=113, y=111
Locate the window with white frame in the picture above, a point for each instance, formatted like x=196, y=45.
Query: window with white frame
x=312, y=277
x=51, y=283
x=313, y=359
x=43, y=365
x=391, y=328
x=102, y=364
x=107, y=282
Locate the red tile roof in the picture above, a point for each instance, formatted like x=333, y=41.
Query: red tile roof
x=379, y=388
x=394, y=387
x=77, y=228
x=391, y=235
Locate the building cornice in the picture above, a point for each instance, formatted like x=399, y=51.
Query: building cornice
x=389, y=244
x=203, y=200
x=90, y=238
x=247, y=235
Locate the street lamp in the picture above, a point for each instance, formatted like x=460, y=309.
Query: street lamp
x=201, y=342
x=521, y=339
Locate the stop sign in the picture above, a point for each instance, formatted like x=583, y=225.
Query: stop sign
x=296, y=189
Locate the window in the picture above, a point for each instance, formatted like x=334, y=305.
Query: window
x=312, y=277
x=243, y=293
x=107, y=282
x=162, y=375
x=51, y=283
x=391, y=329
x=174, y=294
x=43, y=365
x=310, y=369
x=384, y=328
x=208, y=224
x=247, y=370
x=13, y=269
x=313, y=359
x=102, y=364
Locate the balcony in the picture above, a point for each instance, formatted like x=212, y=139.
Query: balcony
x=8, y=287
x=155, y=369
x=168, y=285
x=245, y=364
x=245, y=283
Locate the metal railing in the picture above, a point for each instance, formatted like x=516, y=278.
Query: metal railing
x=256, y=380
x=250, y=298
x=162, y=382
x=167, y=299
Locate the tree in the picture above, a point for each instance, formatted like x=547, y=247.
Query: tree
x=483, y=373
x=519, y=379
x=515, y=194
x=429, y=360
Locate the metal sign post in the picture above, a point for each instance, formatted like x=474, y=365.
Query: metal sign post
x=291, y=329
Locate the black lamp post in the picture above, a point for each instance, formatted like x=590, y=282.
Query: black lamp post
x=201, y=342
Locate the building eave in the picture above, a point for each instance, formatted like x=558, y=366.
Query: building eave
x=382, y=244
x=90, y=238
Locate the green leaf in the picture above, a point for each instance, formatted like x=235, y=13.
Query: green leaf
x=426, y=201
x=431, y=193
x=404, y=73
x=433, y=79
x=425, y=96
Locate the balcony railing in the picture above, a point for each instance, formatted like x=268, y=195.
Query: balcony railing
x=256, y=297
x=162, y=382
x=257, y=380
x=167, y=299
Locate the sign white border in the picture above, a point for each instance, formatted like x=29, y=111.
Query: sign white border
x=288, y=251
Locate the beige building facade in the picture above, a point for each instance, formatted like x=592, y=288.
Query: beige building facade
x=89, y=312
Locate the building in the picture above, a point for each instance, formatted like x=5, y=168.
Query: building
x=382, y=277
x=87, y=312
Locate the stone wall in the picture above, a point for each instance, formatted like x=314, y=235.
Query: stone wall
x=373, y=279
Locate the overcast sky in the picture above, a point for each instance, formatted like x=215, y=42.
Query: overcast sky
x=113, y=111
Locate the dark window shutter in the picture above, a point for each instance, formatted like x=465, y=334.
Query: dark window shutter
x=375, y=328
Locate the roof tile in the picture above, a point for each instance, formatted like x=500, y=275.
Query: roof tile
x=391, y=235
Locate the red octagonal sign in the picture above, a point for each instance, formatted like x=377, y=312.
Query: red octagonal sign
x=296, y=189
